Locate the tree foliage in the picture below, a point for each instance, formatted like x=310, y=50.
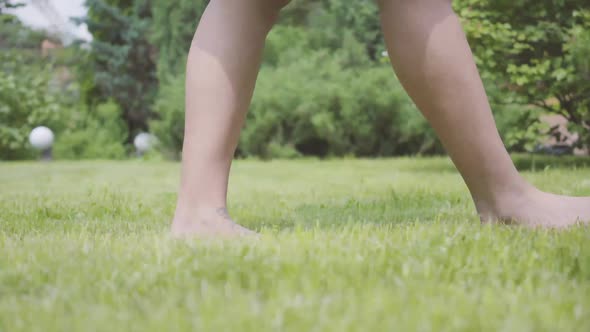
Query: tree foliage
x=536, y=51
x=93, y=135
x=123, y=58
x=174, y=24
x=15, y=35
x=26, y=101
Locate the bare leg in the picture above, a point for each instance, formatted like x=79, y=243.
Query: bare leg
x=432, y=59
x=221, y=73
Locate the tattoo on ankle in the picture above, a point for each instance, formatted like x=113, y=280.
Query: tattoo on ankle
x=222, y=212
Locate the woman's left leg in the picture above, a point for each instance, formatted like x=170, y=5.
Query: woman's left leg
x=432, y=59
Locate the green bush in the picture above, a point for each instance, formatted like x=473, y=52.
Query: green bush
x=15, y=34
x=26, y=101
x=579, y=48
x=93, y=135
x=173, y=27
x=318, y=106
x=520, y=127
x=537, y=52
x=30, y=97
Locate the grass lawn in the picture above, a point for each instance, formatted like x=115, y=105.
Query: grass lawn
x=385, y=245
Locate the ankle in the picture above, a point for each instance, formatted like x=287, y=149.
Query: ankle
x=502, y=202
x=185, y=212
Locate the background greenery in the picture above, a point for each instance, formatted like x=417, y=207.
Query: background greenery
x=396, y=245
x=325, y=88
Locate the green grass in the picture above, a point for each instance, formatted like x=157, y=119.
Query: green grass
x=347, y=246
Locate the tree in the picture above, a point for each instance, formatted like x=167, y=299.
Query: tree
x=15, y=35
x=359, y=18
x=123, y=58
x=174, y=24
x=329, y=20
x=537, y=51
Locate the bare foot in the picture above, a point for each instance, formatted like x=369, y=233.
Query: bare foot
x=212, y=223
x=538, y=209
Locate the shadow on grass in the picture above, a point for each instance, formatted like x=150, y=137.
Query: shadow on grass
x=392, y=209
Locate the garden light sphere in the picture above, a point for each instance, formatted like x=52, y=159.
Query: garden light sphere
x=41, y=138
x=143, y=142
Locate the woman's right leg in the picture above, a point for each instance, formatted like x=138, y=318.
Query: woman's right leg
x=222, y=68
